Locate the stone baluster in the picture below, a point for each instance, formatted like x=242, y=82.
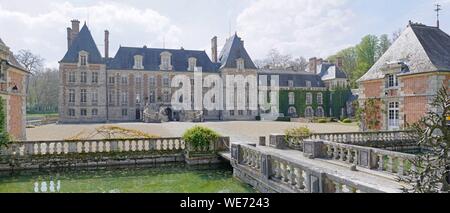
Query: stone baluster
x=337, y=187
x=400, y=168
x=329, y=151
x=390, y=164
x=284, y=172
x=342, y=154
x=335, y=152
x=292, y=178
x=349, y=156
x=299, y=178
x=380, y=162
x=355, y=157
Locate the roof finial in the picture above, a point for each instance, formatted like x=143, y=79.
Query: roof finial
x=438, y=8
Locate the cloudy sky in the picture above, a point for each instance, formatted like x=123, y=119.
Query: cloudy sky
x=298, y=27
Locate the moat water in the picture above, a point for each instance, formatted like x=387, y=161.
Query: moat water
x=178, y=178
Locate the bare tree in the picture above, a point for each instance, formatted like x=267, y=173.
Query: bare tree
x=396, y=34
x=31, y=62
x=299, y=64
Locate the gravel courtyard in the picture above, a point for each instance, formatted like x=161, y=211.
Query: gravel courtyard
x=248, y=131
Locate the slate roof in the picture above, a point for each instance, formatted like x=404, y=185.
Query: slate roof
x=11, y=59
x=124, y=59
x=330, y=71
x=420, y=48
x=83, y=41
x=233, y=50
x=299, y=78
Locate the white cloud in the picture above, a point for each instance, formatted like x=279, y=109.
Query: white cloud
x=45, y=33
x=299, y=27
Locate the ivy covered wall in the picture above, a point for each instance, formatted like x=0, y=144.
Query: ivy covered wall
x=339, y=99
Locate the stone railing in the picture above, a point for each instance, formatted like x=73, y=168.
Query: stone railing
x=270, y=172
x=25, y=148
x=377, y=139
x=106, y=152
x=372, y=158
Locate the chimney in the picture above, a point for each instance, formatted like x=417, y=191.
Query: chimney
x=69, y=37
x=313, y=65
x=319, y=61
x=75, y=26
x=339, y=62
x=106, y=44
x=214, y=49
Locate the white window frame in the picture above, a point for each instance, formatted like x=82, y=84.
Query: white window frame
x=83, y=77
x=291, y=98
x=94, y=77
x=72, y=77
x=166, y=61
x=240, y=64
x=138, y=62
x=192, y=63
x=72, y=95
x=309, y=112
x=83, y=58
x=393, y=115
x=290, y=83
x=319, y=98
x=309, y=98
x=392, y=80
x=322, y=112
x=94, y=96
x=308, y=84
x=83, y=95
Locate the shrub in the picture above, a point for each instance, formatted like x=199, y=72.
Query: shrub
x=200, y=137
x=5, y=138
x=284, y=119
x=322, y=121
x=347, y=121
x=296, y=135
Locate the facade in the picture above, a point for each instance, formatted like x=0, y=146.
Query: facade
x=135, y=84
x=404, y=81
x=13, y=90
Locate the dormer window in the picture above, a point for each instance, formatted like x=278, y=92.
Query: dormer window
x=240, y=64
x=83, y=58
x=192, y=63
x=166, y=61
x=3, y=71
x=291, y=83
x=391, y=81
x=308, y=84
x=138, y=62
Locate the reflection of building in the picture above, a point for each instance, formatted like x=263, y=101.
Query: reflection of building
x=98, y=89
x=404, y=81
x=12, y=89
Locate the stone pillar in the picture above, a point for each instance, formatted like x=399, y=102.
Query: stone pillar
x=265, y=166
x=278, y=141
x=262, y=141
x=314, y=148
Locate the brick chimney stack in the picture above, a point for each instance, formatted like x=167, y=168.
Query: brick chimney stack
x=72, y=33
x=313, y=65
x=106, y=44
x=214, y=49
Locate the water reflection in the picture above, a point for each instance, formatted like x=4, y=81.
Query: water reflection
x=52, y=186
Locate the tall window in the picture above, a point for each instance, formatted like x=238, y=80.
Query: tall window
x=95, y=77
x=319, y=98
x=138, y=81
x=111, y=94
x=83, y=112
x=152, y=97
x=309, y=112
x=393, y=115
x=83, y=77
x=166, y=96
x=71, y=112
x=166, y=61
x=94, y=112
x=124, y=80
x=292, y=111
x=138, y=59
x=71, y=96
x=124, y=98
x=138, y=98
x=72, y=78
x=291, y=98
x=166, y=82
x=152, y=81
x=94, y=96
x=232, y=112
x=124, y=112
x=83, y=96
x=240, y=64
x=308, y=98
x=112, y=79
x=392, y=80
x=192, y=63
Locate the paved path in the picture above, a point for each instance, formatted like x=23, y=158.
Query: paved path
x=242, y=131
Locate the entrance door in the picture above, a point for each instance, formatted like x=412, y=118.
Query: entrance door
x=393, y=116
x=169, y=114
x=138, y=114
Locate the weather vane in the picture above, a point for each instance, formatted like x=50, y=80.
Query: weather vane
x=438, y=9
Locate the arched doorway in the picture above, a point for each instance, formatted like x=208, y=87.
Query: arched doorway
x=169, y=114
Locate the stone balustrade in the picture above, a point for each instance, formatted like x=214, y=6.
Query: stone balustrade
x=377, y=139
x=393, y=162
x=271, y=172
